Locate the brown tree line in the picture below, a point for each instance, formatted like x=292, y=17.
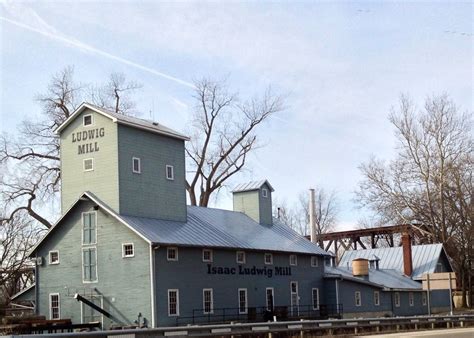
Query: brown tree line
x=429, y=183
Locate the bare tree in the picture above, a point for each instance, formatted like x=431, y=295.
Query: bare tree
x=30, y=161
x=430, y=179
x=223, y=134
x=115, y=94
x=16, y=239
x=297, y=216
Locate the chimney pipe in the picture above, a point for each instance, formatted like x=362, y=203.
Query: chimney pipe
x=407, y=258
x=312, y=218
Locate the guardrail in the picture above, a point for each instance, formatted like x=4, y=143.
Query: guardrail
x=334, y=326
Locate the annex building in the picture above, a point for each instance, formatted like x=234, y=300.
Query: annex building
x=128, y=244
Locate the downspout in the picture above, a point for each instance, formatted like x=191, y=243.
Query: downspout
x=152, y=285
x=36, y=285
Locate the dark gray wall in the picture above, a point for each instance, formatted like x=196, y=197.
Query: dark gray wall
x=150, y=194
x=189, y=275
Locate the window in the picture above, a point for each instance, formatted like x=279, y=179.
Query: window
x=411, y=299
x=87, y=120
x=358, y=299
x=54, y=306
x=128, y=250
x=269, y=299
x=207, y=301
x=54, y=257
x=376, y=298
x=423, y=299
x=240, y=257
x=315, y=294
x=173, y=302
x=89, y=265
x=268, y=258
x=242, y=300
x=264, y=192
x=169, y=172
x=397, y=299
x=172, y=254
x=314, y=261
x=136, y=165
x=206, y=255
x=293, y=260
x=89, y=228
x=88, y=164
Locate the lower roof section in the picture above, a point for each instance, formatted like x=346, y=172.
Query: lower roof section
x=208, y=227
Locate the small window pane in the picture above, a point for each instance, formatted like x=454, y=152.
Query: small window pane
x=206, y=255
x=268, y=258
x=172, y=254
x=88, y=164
x=173, y=302
x=207, y=301
x=358, y=301
x=54, y=306
x=293, y=260
x=315, y=299
x=136, y=163
x=169, y=172
x=242, y=300
x=314, y=261
x=264, y=192
x=87, y=120
x=241, y=257
x=53, y=257
x=128, y=250
x=376, y=298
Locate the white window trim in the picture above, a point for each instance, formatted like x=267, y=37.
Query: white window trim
x=139, y=171
x=204, y=302
x=397, y=299
x=265, y=260
x=411, y=299
x=211, y=255
x=423, y=298
x=172, y=172
x=265, y=192
x=314, y=261
x=123, y=250
x=84, y=164
x=49, y=255
x=360, y=298
x=96, y=270
x=167, y=255
x=51, y=308
x=296, y=260
x=246, y=301
x=84, y=118
x=377, y=299
x=177, y=302
x=82, y=221
x=312, y=298
x=266, y=297
x=237, y=257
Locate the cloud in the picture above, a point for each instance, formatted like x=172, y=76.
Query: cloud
x=21, y=14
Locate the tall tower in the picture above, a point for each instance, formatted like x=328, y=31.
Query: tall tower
x=135, y=166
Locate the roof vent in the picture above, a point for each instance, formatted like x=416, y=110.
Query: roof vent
x=155, y=123
x=360, y=267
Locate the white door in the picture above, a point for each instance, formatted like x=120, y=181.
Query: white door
x=295, y=311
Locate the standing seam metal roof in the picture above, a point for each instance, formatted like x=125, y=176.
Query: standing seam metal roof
x=249, y=186
x=424, y=258
x=223, y=228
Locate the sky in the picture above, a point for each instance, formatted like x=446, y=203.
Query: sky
x=341, y=67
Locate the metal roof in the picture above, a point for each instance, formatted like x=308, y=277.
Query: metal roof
x=225, y=229
x=130, y=121
x=254, y=185
x=386, y=278
x=424, y=258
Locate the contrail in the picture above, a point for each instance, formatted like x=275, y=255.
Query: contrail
x=86, y=47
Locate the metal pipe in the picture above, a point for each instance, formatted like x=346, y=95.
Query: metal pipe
x=312, y=218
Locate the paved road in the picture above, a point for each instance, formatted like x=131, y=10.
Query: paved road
x=449, y=333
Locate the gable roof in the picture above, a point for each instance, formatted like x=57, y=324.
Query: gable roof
x=250, y=186
x=383, y=278
x=129, y=121
x=96, y=200
x=424, y=258
x=206, y=227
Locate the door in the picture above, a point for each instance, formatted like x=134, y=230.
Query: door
x=294, y=307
